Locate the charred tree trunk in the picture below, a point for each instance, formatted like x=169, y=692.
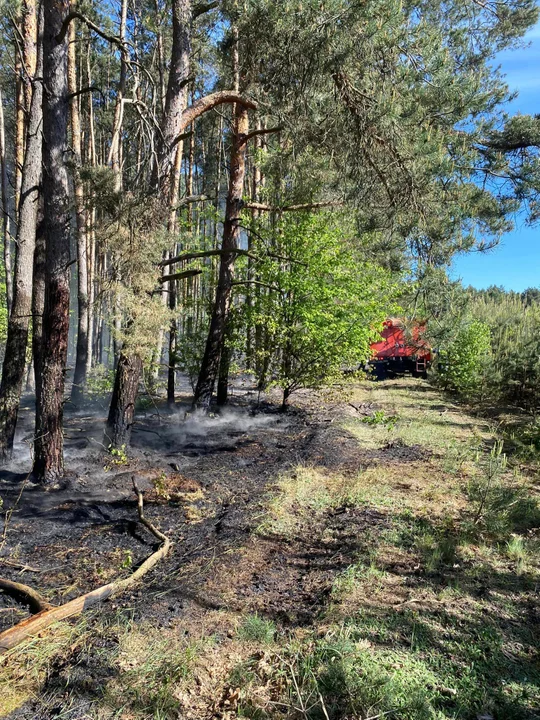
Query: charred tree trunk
x=231, y=233
x=38, y=304
x=222, y=394
x=81, y=359
x=13, y=369
x=90, y=220
x=122, y=409
x=49, y=441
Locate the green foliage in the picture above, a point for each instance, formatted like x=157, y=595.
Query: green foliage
x=502, y=505
x=513, y=371
x=100, y=380
x=118, y=457
x=461, y=363
x=324, y=304
x=379, y=417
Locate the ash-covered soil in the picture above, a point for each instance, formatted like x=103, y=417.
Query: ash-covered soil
x=205, y=481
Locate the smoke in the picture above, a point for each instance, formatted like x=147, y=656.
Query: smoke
x=168, y=434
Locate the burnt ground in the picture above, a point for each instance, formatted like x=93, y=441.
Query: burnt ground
x=206, y=481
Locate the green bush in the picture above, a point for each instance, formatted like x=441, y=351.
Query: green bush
x=461, y=364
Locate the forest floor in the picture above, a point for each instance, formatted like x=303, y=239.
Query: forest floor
x=362, y=556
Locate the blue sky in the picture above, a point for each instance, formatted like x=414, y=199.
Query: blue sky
x=515, y=263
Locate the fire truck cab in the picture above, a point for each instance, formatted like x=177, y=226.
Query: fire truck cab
x=400, y=351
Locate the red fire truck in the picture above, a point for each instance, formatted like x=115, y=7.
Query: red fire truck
x=400, y=350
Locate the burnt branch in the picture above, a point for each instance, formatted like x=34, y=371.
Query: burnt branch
x=25, y=594
x=202, y=8
x=74, y=15
x=262, y=131
x=180, y=275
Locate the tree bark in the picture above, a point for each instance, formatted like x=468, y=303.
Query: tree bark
x=231, y=233
x=82, y=350
x=13, y=369
x=38, y=304
x=175, y=99
x=49, y=441
x=6, y=207
x=171, y=371
x=90, y=221
x=29, y=48
x=115, y=152
x=19, y=128
x=122, y=408
x=222, y=394
x=81, y=359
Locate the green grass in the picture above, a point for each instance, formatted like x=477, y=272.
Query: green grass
x=120, y=666
x=256, y=629
x=431, y=621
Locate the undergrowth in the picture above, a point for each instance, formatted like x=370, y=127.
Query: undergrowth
x=438, y=620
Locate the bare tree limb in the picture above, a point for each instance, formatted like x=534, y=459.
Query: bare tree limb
x=180, y=275
x=206, y=103
x=202, y=8
x=82, y=91
x=205, y=254
x=293, y=208
x=262, y=131
x=191, y=199
x=258, y=283
x=75, y=15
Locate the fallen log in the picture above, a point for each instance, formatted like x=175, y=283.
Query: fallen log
x=30, y=627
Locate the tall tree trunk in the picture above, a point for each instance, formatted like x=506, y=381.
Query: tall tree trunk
x=90, y=221
x=169, y=287
x=19, y=127
x=81, y=359
x=6, y=208
x=231, y=234
x=115, y=152
x=13, y=369
x=175, y=99
x=173, y=337
x=29, y=48
x=49, y=441
x=222, y=394
x=38, y=305
x=122, y=409
x=256, y=179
